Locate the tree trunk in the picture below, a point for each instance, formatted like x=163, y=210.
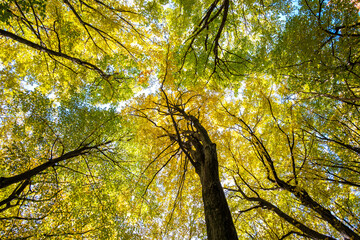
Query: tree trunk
x=219, y=223
x=202, y=154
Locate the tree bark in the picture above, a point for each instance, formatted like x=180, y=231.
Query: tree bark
x=201, y=152
x=219, y=223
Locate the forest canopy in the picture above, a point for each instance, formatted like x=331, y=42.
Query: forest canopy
x=160, y=119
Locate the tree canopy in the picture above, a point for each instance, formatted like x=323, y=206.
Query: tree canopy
x=179, y=119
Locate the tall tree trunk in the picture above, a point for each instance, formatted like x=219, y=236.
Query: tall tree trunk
x=219, y=223
x=201, y=152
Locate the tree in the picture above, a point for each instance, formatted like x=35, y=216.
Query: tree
x=169, y=119
x=194, y=141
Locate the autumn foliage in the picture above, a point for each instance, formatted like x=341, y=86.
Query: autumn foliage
x=179, y=120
